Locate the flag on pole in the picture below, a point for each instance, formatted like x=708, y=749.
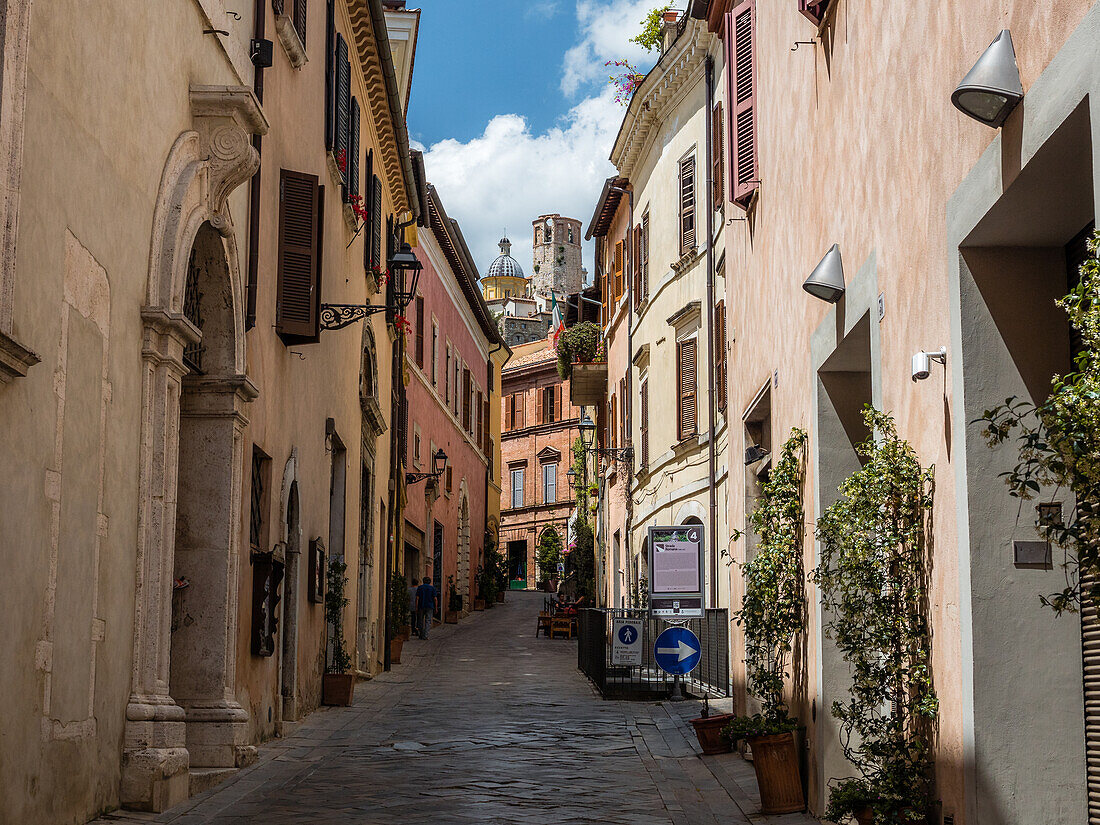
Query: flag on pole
x=557, y=323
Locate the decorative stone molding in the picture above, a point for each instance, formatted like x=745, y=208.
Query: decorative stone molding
x=226, y=117
x=15, y=359
x=373, y=418
x=292, y=43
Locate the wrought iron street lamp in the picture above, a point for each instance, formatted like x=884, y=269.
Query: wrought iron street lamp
x=439, y=465
x=403, y=261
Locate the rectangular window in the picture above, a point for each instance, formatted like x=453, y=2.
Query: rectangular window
x=298, y=293
x=416, y=446
x=740, y=47
x=612, y=422
x=298, y=16
x=447, y=376
x=687, y=205
x=644, y=446
x=685, y=381
x=467, y=394
x=549, y=483
x=257, y=524
x=517, y=487
x=448, y=477
x=351, y=187
x=718, y=150
x=720, y=353
x=458, y=385
x=420, y=331
x=435, y=354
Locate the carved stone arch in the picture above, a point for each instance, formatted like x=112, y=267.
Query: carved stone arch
x=691, y=512
x=374, y=420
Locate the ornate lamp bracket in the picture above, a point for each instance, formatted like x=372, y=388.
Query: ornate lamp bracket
x=338, y=316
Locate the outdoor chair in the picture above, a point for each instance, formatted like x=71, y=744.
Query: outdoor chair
x=543, y=624
x=561, y=626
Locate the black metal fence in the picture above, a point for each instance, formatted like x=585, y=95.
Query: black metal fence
x=647, y=681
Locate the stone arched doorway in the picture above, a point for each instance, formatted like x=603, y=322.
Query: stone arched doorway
x=182, y=712
x=462, y=576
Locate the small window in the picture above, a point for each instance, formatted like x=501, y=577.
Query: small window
x=550, y=482
x=687, y=205
x=517, y=487
x=257, y=525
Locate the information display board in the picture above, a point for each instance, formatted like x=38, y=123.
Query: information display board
x=626, y=641
x=676, y=566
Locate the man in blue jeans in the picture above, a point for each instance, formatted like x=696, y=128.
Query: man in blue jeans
x=426, y=599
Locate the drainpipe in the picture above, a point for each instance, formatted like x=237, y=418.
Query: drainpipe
x=712, y=457
x=260, y=15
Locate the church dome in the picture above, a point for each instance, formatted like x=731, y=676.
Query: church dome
x=505, y=266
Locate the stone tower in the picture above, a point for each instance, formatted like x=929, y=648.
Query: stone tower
x=556, y=253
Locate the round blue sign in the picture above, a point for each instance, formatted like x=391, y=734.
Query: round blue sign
x=677, y=651
x=628, y=634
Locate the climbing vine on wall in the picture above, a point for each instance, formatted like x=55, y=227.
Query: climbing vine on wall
x=873, y=575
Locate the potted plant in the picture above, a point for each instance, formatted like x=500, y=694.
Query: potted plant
x=710, y=730
x=454, y=602
x=851, y=799
x=399, y=613
x=772, y=614
x=338, y=684
x=873, y=577
x=580, y=343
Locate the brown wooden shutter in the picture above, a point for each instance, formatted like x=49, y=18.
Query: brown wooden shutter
x=330, y=74
x=298, y=295
x=509, y=411
x=720, y=352
x=645, y=254
x=687, y=205
x=741, y=58
x=718, y=151
x=466, y=393
x=636, y=264
x=521, y=409
x=644, y=425
x=343, y=104
x=685, y=376
x=420, y=331
x=618, y=289
x=612, y=424
x=540, y=406
x=351, y=187
x=300, y=19
x=557, y=402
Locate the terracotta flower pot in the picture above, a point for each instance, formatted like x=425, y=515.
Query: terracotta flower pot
x=775, y=759
x=865, y=816
x=451, y=617
x=338, y=689
x=709, y=733
x=395, y=650
x=479, y=604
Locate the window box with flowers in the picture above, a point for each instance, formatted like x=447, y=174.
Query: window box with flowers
x=582, y=359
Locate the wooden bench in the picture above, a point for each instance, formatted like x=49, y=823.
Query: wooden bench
x=543, y=625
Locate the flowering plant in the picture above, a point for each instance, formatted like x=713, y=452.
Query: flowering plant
x=382, y=276
x=625, y=82
x=358, y=207
x=341, y=160
x=402, y=324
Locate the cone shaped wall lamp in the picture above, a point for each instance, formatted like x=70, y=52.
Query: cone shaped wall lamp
x=827, y=280
x=992, y=88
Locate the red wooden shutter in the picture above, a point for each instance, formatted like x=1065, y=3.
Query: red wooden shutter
x=685, y=371
x=625, y=439
x=687, y=205
x=741, y=58
x=540, y=406
x=343, y=105
x=521, y=409
x=298, y=294
x=420, y=331
x=618, y=290
x=478, y=439
x=645, y=254
x=718, y=150
x=300, y=19
x=720, y=352
x=644, y=446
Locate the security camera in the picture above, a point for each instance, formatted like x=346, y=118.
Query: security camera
x=922, y=363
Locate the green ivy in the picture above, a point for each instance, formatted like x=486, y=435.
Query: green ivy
x=1058, y=444
x=873, y=577
x=773, y=609
x=335, y=602
x=580, y=342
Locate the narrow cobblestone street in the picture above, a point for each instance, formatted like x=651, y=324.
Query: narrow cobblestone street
x=485, y=724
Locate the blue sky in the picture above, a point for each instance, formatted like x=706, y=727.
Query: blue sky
x=511, y=103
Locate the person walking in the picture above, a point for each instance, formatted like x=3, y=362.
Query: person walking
x=427, y=598
x=414, y=615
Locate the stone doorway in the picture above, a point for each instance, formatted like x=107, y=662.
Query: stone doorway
x=288, y=688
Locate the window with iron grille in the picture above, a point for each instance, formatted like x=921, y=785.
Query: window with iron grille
x=257, y=524
x=192, y=311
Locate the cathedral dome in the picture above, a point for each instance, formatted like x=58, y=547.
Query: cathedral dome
x=505, y=266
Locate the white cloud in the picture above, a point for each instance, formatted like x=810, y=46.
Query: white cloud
x=508, y=176
x=544, y=9
x=606, y=29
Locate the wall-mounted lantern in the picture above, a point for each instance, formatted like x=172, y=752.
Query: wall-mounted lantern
x=992, y=88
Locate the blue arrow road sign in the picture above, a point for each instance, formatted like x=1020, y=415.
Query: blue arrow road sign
x=628, y=634
x=677, y=651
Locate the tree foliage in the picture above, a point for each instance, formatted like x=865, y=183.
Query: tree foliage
x=335, y=602
x=549, y=553
x=582, y=559
x=1058, y=444
x=873, y=575
x=650, y=36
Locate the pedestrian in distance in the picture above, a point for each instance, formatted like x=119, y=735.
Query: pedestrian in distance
x=414, y=616
x=427, y=598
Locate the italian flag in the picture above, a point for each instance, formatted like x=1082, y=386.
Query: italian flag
x=557, y=323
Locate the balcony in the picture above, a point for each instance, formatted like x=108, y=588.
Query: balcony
x=588, y=383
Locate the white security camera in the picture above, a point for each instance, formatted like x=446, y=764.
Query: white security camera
x=922, y=363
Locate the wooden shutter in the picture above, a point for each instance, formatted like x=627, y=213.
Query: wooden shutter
x=685, y=380
x=485, y=436
x=644, y=446
x=330, y=74
x=351, y=187
x=540, y=406
x=368, y=204
x=618, y=287
x=645, y=254
x=623, y=434
x=814, y=10
x=300, y=19
x=376, y=225
x=557, y=402
x=479, y=434
x=720, y=352
x=636, y=264
x=718, y=150
x=741, y=96
x=521, y=409
x=298, y=294
x=687, y=205
x=343, y=105
x=467, y=394
x=420, y=331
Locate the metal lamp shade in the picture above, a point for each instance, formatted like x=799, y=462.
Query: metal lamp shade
x=588, y=431
x=991, y=90
x=827, y=280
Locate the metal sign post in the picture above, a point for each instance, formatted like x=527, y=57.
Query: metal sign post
x=676, y=572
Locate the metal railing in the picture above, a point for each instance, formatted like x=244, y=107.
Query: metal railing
x=647, y=681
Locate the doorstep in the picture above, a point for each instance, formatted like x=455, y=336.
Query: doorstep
x=203, y=779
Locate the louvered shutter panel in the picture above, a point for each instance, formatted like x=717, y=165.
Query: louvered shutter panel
x=625, y=402
x=330, y=74
x=636, y=264
x=618, y=289
x=300, y=19
x=557, y=402
x=645, y=254
x=718, y=151
x=420, y=331
x=687, y=205
x=644, y=446
x=540, y=407
x=521, y=409
x=467, y=391
x=686, y=377
x=479, y=436
x=352, y=187
x=720, y=354
x=741, y=58
x=376, y=225
x=343, y=105
x=299, y=271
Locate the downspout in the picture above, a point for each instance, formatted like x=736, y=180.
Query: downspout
x=258, y=34
x=712, y=457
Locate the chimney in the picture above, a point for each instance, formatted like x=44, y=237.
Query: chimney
x=668, y=29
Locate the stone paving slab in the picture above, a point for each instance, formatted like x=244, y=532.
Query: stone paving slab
x=484, y=723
